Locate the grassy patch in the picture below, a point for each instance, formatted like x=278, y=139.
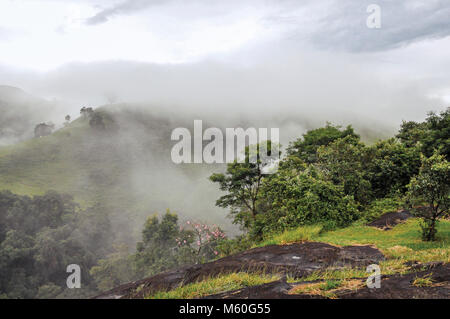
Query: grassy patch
x=332, y=275
x=296, y=235
x=216, y=285
x=424, y=281
x=402, y=242
x=331, y=284
x=326, y=289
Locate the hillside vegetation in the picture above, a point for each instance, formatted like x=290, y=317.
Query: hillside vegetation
x=400, y=245
x=113, y=164
x=125, y=169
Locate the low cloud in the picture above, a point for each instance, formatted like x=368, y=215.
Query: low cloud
x=402, y=23
x=281, y=87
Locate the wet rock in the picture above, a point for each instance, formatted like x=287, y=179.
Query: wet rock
x=297, y=260
x=272, y=290
x=401, y=286
x=392, y=287
x=389, y=220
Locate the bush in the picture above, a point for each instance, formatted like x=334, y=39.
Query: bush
x=303, y=199
x=381, y=206
x=391, y=167
x=232, y=246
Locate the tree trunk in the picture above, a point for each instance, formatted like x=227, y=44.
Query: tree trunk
x=432, y=231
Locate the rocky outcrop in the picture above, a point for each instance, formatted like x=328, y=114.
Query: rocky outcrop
x=297, y=260
x=392, y=287
x=389, y=220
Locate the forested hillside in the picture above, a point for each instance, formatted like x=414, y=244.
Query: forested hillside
x=79, y=196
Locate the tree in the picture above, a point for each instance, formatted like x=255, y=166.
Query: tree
x=431, y=135
x=306, y=148
x=67, y=120
x=432, y=188
x=304, y=197
x=242, y=182
x=86, y=112
x=43, y=129
x=390, y=166
x=39, y=237
x=114, y=270
x=343, y=163
x=205, y=241
x=158, y=250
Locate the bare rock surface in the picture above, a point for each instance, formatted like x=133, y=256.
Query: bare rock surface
x=392, y=287
x=402, y=287
x=297, y=260
x=389, y=220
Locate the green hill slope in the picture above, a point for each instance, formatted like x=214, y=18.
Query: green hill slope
x=125, y=169
x=64, y=161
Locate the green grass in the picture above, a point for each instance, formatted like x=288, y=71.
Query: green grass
x=402, y=242
x=424, y=281
x=216, y=285
x=330, y=274
x=72, y=160
x=331, y=284
x=327, y=288
x=296, y=235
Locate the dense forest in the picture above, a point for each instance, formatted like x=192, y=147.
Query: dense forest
x=327, y=177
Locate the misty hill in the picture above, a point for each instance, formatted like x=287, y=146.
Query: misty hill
x=125, y=169
x=20, y=112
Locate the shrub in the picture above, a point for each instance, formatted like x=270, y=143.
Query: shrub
x=305, y=198
x=381, y=206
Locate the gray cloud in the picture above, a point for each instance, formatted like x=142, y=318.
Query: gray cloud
x=283, y=83
x=126, y=7
x=333, y=24
x=282, y=76
x=402, y=23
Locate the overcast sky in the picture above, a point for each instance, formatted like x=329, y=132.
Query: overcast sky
x=275, y=54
